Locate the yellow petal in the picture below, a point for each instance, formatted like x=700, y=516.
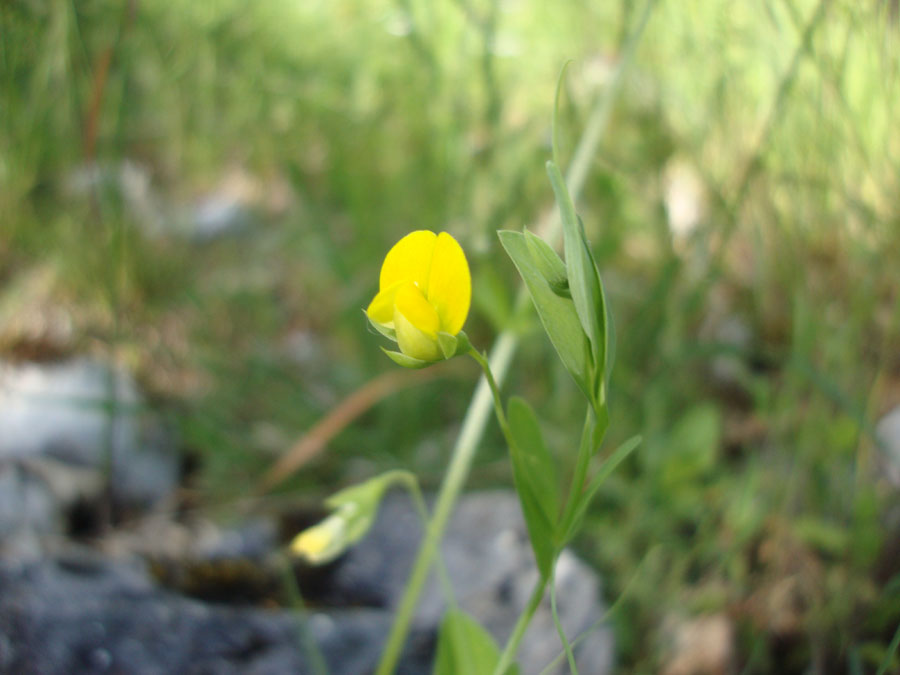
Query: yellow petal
x=323, y=542
x=449, y=288
x=381, y=309
x=416, y=323
x=409, y=260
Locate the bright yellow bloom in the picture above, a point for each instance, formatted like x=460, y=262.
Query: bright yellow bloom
x=425, y=290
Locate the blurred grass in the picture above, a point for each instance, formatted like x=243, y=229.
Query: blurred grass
x=755, y=352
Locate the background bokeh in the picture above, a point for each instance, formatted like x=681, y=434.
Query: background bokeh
x=203, y=192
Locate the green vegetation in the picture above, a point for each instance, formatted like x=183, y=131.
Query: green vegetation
x=743, y=210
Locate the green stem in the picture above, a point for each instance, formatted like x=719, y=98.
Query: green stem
x=295, y=599
x=551, y=667
x=501, y=356
x=454, y=479
x=512, y=645
x=412, y=486
x=579, y=476
x=573, y=669
x=495, y=390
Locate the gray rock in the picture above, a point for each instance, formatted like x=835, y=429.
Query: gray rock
x=83, y=613
x=888, y=434
x=71, y=412
x=27, y=504
x=87, y=615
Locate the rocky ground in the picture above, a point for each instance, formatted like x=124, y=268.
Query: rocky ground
x=104, y=576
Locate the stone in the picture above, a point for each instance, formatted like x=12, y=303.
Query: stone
x=64, y=413
x=887, y=431
x=81, y=611
x=27, y=504
x=88, y=615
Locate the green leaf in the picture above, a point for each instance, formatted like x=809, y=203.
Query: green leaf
x=549, y=264
x=602, y=360
x=583, y=279
x=584, y=283
x=557, y=314
x=402, y=359
x=462, y=343
x=610, y=336
x=597, y=481
x=448, y=344
x=536, y=482
x=387, y=331
x=359, y=503
x=453, y=345
x=464, y=647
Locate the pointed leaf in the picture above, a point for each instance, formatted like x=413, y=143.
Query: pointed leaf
x=557, y=314
x=462, y=343
x=387, y=331
x=610, y=336
x=448, y=344
x=601, y=350
x=583, y=280
x=534, y=472
x=402, y=359
x=597, y=481
x=360, y=502
x=549, y=264
x=464, y=647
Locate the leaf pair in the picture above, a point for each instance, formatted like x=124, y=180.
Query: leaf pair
x=540, y=266
x=568, y=296
x=585, y=286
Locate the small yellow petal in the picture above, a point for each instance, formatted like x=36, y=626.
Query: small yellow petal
x=411, y=303
x=416, y=323
x=449, y=288
x=381, y=309
x=323, y=542
x=409, y=260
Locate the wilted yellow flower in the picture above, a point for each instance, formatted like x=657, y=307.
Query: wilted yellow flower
x=425, y=290
x=324, y=542
x=353, y=511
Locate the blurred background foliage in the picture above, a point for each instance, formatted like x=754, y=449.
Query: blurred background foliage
x=203, y=191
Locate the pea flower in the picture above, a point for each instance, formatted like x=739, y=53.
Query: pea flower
x=353, y=511
x=425, y=290
x=324, y=542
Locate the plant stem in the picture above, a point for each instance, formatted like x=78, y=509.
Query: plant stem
x=579, y=475
x=454, y=479
x=573, y=669
x=412, y=486
x=495, y=390
x=512, y=645
x=501, y=355
x=310, y=648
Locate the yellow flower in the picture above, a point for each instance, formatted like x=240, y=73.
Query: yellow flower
x=353, y=511
x=323, y=542
x=423, y=299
